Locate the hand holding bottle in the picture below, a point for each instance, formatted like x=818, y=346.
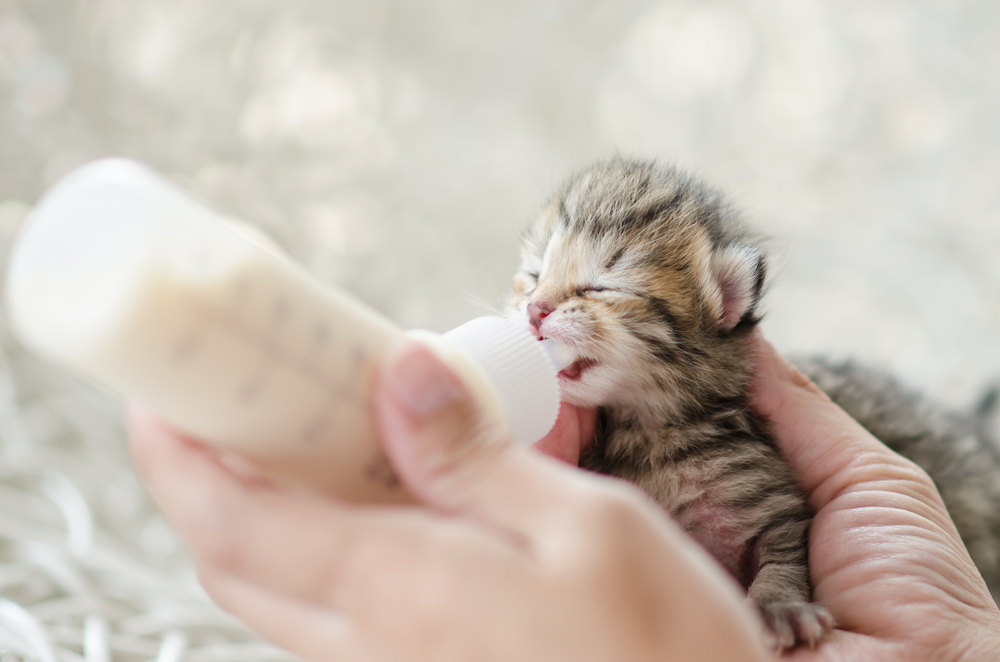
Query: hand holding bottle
x=516, y=556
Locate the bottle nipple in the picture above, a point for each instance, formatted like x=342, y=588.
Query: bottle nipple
x=561, y=356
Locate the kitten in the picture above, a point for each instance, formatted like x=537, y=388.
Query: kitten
x=653, y=280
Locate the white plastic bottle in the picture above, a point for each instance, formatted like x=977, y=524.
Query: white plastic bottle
x=122, y=277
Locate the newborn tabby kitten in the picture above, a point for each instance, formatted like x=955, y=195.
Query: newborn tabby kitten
x=653, y=281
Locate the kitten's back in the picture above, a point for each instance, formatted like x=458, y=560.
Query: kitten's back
x=955, y=449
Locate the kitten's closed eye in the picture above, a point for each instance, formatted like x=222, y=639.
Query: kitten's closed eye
x=525, y=283
x=647, y=277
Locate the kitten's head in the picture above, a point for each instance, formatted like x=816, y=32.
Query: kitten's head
x=651, y=280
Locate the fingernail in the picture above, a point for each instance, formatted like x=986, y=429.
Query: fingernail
x=797, y=377
x=421, y=383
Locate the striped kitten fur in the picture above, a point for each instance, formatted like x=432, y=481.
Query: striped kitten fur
x=654, y=281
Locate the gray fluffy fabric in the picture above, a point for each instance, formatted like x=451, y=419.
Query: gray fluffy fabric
x=398, y=149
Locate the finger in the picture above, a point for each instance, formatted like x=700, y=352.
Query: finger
x=573, y=431
x=448, y=455
x=306, y=547
x=588, y=426
x=827, y=449
x=308, y=631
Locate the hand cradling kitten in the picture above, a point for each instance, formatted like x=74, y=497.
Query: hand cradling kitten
x=653, y=281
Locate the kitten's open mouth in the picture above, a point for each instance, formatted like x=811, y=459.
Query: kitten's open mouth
x=576, y=369
x=560, y=353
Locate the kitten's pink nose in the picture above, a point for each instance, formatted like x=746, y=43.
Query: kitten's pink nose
x=539, y=310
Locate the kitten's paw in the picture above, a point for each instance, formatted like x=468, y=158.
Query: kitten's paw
x=793, y=623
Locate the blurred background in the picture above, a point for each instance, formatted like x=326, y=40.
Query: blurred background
x=399, y=149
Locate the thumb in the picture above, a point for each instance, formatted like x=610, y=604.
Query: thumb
x=451, y=456
x=827, y=449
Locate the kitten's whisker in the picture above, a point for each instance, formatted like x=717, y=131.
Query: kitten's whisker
x=481, y=303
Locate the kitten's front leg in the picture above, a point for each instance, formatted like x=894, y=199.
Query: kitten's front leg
x=780, y=590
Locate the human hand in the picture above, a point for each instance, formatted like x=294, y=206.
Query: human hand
x=515, y=557
x=574, y=429
x=884, y=555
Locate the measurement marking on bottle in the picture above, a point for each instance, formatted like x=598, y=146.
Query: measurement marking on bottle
x=269, y=356
x=186, y=347
x=273, y=353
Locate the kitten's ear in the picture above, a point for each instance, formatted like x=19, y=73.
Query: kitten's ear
x=738, y=272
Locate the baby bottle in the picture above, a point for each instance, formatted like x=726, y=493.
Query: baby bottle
x=120, y=276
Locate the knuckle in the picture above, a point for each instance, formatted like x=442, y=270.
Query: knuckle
x=618, y=504
x=217, y=547
x=217, y=533
x=610, y=516
x=471, y=447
